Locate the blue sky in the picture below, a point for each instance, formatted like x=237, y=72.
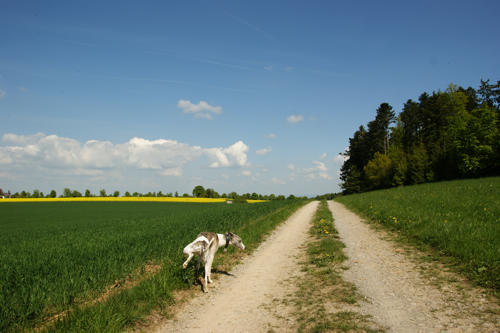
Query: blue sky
x=245, y=96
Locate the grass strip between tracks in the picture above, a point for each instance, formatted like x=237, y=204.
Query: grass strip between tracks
x=323, y=301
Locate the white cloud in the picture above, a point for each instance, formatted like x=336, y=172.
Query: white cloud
x=322, y=156
x=177, y=172
x=288, y=69
x=310, y=176
x=100, y=160
x=264, y=152
x=234, y=155
x=43, y=161
x=23, y=140
x=265, y=170
x=51, y=151
x=204, y=115
x=312, y=118
x=319, y=166
x=294, y=119
x=268, y=68
x=319, y=170
x=270, y=136
x=339, y=159
x=197, y=109
x=2, y=93
x=290, y=167
x=277, y=181
x=324, y=175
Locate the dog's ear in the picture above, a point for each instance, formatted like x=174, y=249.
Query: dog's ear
x=230, y=234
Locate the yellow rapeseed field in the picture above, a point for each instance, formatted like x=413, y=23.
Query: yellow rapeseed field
x=156, y=199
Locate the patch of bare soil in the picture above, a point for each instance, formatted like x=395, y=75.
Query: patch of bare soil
x=399, y=294
x=240, y=301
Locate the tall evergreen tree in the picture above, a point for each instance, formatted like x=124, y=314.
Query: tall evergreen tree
x=490, y=93
x=357, y=156
x=378, y=129
x=412, y=124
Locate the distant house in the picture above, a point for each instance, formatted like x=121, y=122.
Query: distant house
x=229, y=202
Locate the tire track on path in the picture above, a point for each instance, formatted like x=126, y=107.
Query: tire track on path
x=397, y=295
x=237, y=303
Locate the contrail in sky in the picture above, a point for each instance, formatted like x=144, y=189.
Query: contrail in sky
x=255, y=28
x=203, y=60
x=173, y=81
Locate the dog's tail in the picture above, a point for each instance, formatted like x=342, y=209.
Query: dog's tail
x=207, y=245
x=205, y=248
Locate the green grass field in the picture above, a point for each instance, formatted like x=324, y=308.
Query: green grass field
x=460, y=219
x=55, y=256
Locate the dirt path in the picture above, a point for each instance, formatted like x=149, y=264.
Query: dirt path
x=397, y=295
x=237, y=303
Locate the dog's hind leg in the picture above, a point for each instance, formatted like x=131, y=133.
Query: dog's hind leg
x=186, y=262
x=207, y=274
x=209, y=270
x=198, y=262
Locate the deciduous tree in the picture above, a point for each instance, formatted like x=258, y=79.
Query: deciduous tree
x=378, y=171
x=199, y=191
x=67, y=193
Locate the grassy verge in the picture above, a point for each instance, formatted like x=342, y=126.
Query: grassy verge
x=457, y=221
x=324, y=301
x=128, y=306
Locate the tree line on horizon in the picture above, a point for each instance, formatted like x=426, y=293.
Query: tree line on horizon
x=451, y=134
x=199, y=192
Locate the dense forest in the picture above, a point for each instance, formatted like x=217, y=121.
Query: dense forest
x=448, y=135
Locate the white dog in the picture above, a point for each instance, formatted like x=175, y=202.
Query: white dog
x=205, y=246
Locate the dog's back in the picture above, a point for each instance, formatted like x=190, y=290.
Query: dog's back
x=213, y=238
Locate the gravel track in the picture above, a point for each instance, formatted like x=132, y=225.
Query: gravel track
x=237, y=303
x=397, y=295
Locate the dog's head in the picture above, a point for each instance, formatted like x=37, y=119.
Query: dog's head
x=234, y=240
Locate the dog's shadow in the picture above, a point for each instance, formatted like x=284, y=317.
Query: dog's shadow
x=200, y=276
x=218, y=271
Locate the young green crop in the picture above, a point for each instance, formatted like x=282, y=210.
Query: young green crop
x=57, y=255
